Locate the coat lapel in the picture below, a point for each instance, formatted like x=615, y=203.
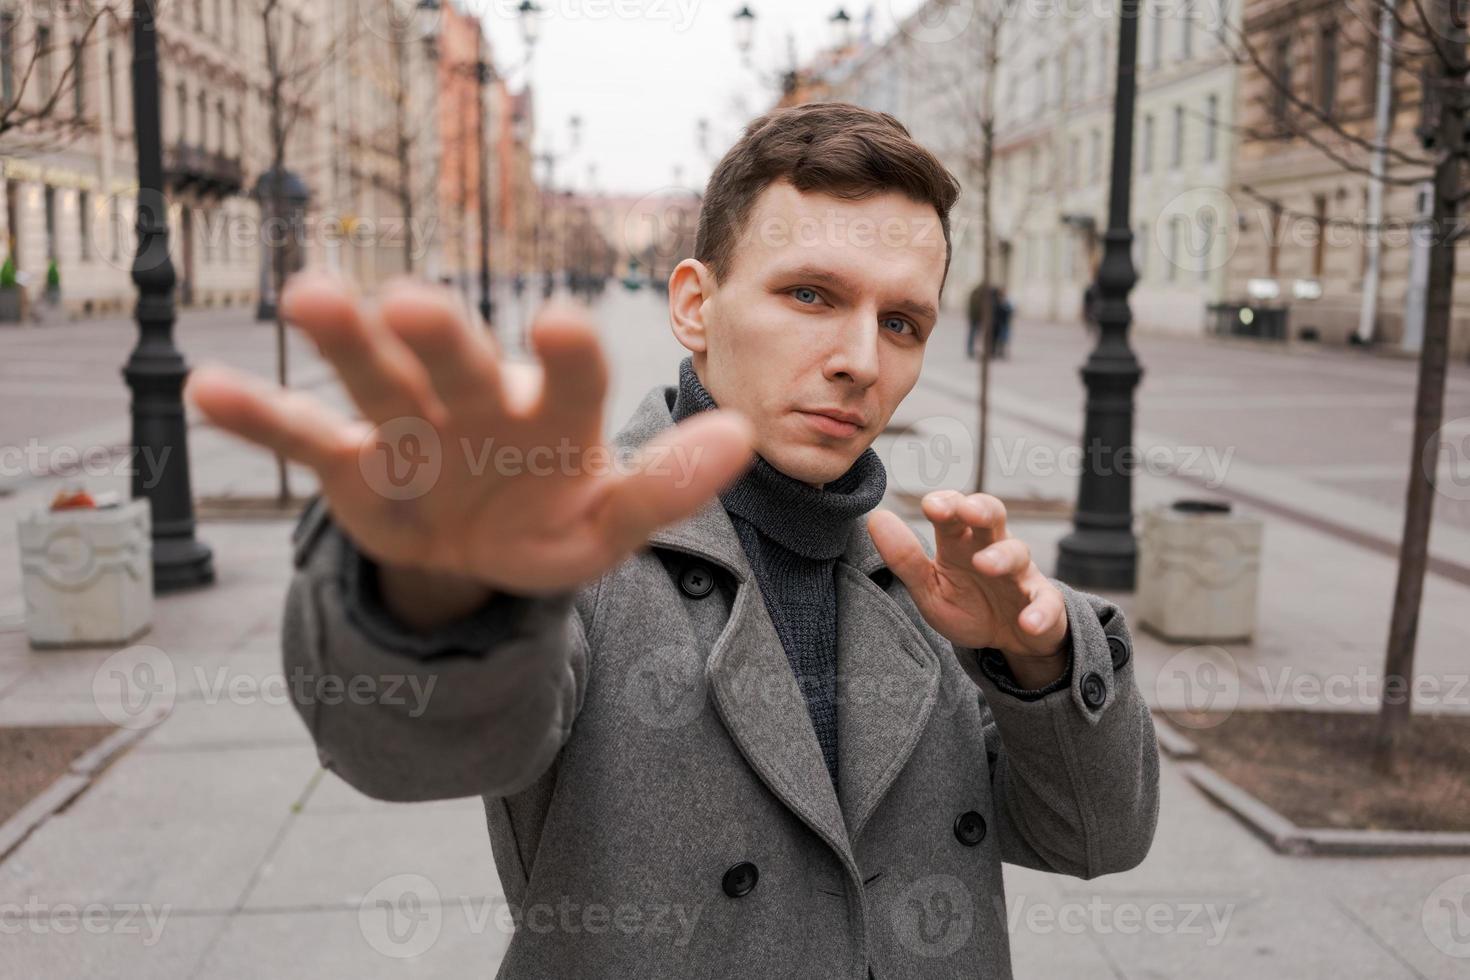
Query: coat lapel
x=888, y=680
x=888, y=674
x=747, y=673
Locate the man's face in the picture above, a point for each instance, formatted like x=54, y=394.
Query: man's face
x=817, y=330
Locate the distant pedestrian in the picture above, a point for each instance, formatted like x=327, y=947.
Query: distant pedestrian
x=1091, y=299
x=1000, y=336
x=975, y=314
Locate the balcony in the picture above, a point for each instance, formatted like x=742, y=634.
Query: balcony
x=206, y=173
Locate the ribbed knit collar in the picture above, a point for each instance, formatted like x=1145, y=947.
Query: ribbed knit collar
x=811, y=522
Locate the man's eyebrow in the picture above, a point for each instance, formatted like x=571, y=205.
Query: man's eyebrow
x=817, y=274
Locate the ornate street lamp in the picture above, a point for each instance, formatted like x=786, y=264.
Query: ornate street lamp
x=1101, y=551
x=841, y=28
x=155, y=370
x=744, y=30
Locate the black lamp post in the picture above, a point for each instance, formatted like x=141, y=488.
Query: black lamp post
x=1101, y=551
x=483, y=76
x=155, y=370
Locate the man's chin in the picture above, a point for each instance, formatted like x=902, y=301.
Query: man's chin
x=815, y=464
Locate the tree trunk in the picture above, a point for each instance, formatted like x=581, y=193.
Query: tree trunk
x=1448, y=75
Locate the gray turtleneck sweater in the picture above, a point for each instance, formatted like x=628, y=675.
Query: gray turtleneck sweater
x=793, y=533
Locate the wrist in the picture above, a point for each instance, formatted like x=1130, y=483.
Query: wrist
x=425, y=600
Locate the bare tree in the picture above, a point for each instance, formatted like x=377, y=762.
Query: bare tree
x=43, y=57
x=1424, y=50
x=294, y=61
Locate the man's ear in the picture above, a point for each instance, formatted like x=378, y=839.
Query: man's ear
x=690, y=285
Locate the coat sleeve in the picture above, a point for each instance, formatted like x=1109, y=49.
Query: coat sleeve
x=1074, y=768
x=481, y=707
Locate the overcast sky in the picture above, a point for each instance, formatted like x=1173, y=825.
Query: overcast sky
x=640, y=73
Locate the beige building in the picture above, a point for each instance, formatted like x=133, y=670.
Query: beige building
x=1053, y=144
x=358, y=83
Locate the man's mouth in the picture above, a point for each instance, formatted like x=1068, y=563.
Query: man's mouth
x=833, y=422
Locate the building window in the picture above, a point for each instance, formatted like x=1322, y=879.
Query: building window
x=7, y=57
x=1212, y=128
x=50, y=223
x=1074, y=162
x=1186, y=32
x=1146, y=155
x=112, y=85
x=1176, y=155
x=203, y=120
x=1319, y=248
x=79, y=87
x=1207, y=229
x=1156, y=49
x=183, y=133
x=1096, y=169
x=1281, y=69
x=1327, y=68
x=1140, y=251
x=223, y=121
x=1171, y=270
x=84, y=225
x=43, y=60
x=1273, y=246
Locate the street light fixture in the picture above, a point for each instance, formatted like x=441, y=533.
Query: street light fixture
x=155, y=370
x=744, y=30
x=1101, y=552
x=841, y=28
x=527, y=14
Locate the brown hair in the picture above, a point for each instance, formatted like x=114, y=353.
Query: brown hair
x=833, y=147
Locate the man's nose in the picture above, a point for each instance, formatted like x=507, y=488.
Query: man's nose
x=854, y=355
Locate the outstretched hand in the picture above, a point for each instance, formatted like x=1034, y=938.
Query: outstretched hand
x=465, y=467
x=981, y=588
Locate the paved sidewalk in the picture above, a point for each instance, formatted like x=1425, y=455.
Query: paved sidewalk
x=217, y=848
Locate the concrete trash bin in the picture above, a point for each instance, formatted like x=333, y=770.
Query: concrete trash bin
x=87, y=575
x=1199, y=568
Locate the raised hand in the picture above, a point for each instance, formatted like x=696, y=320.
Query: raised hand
x=981, y=588
x=466, y=468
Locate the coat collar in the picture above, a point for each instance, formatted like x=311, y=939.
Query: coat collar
x=888, y=672
x=709, y=533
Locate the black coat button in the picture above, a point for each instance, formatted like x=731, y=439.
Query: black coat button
x=969, y=828
x=696, y=581
x=1094, y=691
x=1118, y=648
x=740, y=880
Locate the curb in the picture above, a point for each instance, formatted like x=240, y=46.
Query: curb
x=1284, y=836
x=67, y=787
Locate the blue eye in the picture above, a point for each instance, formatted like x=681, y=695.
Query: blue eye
x=801, y=291
x=902, y=323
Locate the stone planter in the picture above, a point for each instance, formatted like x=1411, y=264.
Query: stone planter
x=12, y=305
x=1198, y=571
x=87, y=575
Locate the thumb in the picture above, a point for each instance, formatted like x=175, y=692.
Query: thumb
x=901, y=550
x=676, y=474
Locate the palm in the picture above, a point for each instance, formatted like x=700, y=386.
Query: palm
x=981, y=588
x=463, y=464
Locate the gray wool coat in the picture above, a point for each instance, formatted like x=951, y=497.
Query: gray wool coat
x=656, y=798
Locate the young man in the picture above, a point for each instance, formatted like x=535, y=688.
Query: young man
x=760, y=734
